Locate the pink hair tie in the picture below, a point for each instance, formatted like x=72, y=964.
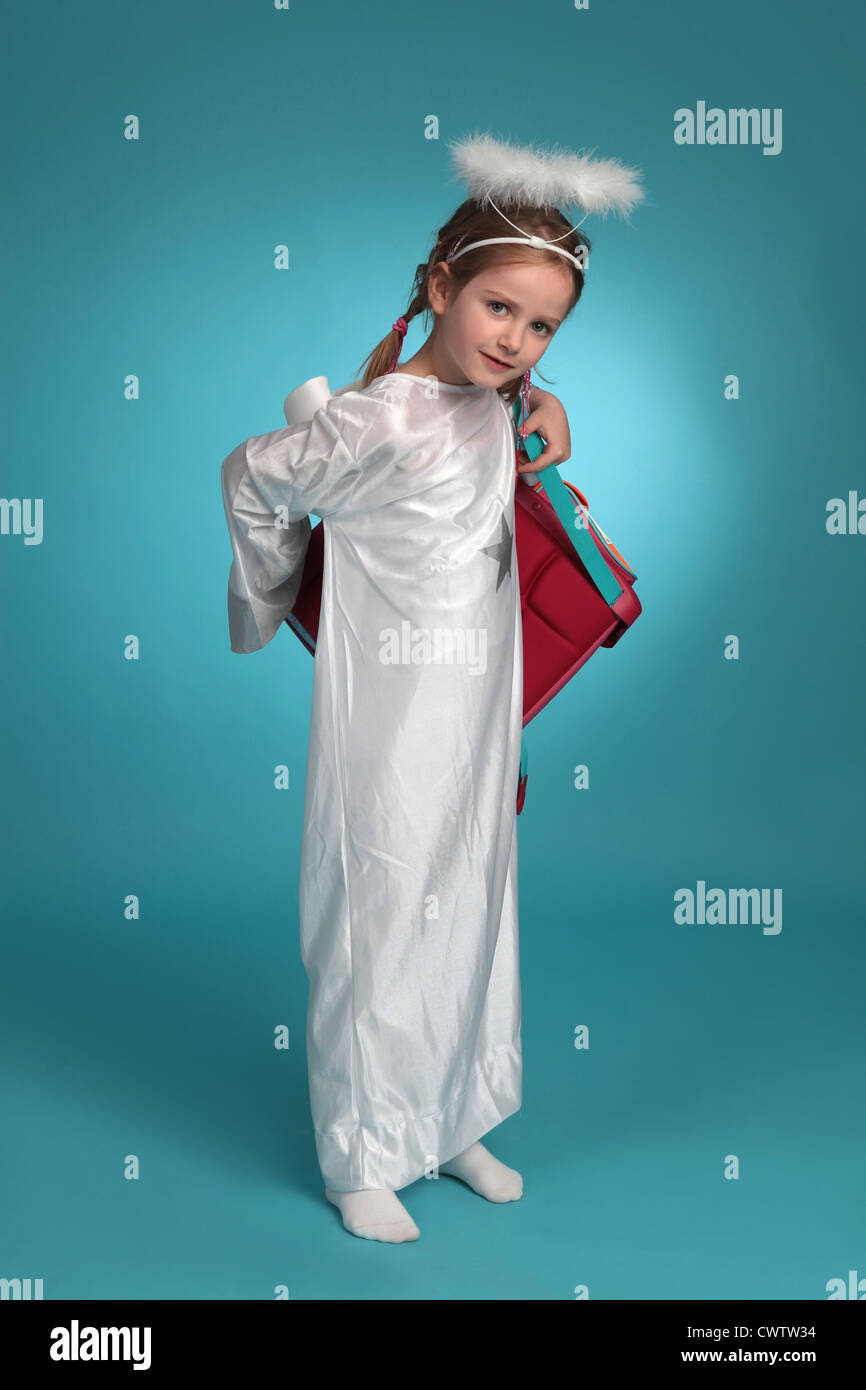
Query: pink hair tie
x=401, y=327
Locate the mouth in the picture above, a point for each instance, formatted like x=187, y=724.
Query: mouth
x=494, y=362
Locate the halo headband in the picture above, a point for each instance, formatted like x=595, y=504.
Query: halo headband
x=542, y=178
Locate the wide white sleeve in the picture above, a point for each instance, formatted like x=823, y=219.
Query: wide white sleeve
x=270, y=485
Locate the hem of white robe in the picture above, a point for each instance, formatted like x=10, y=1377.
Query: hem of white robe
x=492, y=1093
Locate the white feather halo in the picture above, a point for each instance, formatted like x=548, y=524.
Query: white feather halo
x=494, y=168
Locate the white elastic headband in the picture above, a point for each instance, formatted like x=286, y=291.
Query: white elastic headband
x=580, y=258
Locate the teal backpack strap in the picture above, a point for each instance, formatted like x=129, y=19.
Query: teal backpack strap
x=521, y=779
x=563, y=504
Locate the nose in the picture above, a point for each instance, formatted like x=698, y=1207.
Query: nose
x=510, y=337
x=508, y=347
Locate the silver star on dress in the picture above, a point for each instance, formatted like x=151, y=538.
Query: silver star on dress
x=501, y=552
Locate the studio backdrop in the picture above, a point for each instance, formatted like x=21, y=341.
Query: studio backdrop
x=209, y=205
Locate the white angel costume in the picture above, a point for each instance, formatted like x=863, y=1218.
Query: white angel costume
x=408, y=883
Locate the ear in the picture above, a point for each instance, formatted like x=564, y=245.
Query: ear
x=440, y=287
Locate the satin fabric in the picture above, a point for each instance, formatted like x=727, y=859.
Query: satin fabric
x=408, y=883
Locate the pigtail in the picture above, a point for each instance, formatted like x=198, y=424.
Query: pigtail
x=380, y=360
x=383, y=355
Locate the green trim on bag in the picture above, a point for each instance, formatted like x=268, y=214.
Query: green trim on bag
x=563, y=504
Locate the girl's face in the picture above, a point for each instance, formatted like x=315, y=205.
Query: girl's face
x=506, y=315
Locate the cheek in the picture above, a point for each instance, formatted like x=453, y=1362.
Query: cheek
x=474, y=322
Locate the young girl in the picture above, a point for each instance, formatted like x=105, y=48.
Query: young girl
x=408, y=885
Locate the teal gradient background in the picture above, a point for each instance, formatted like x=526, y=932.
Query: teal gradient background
x=155, y=777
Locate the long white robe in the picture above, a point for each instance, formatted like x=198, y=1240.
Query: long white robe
x=408, y=883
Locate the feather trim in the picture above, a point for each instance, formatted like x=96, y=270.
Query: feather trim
x=493, y=168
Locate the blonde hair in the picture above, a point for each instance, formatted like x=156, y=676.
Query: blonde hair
x=471, y=223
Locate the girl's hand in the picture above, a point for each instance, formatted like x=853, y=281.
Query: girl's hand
x=547, y=416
